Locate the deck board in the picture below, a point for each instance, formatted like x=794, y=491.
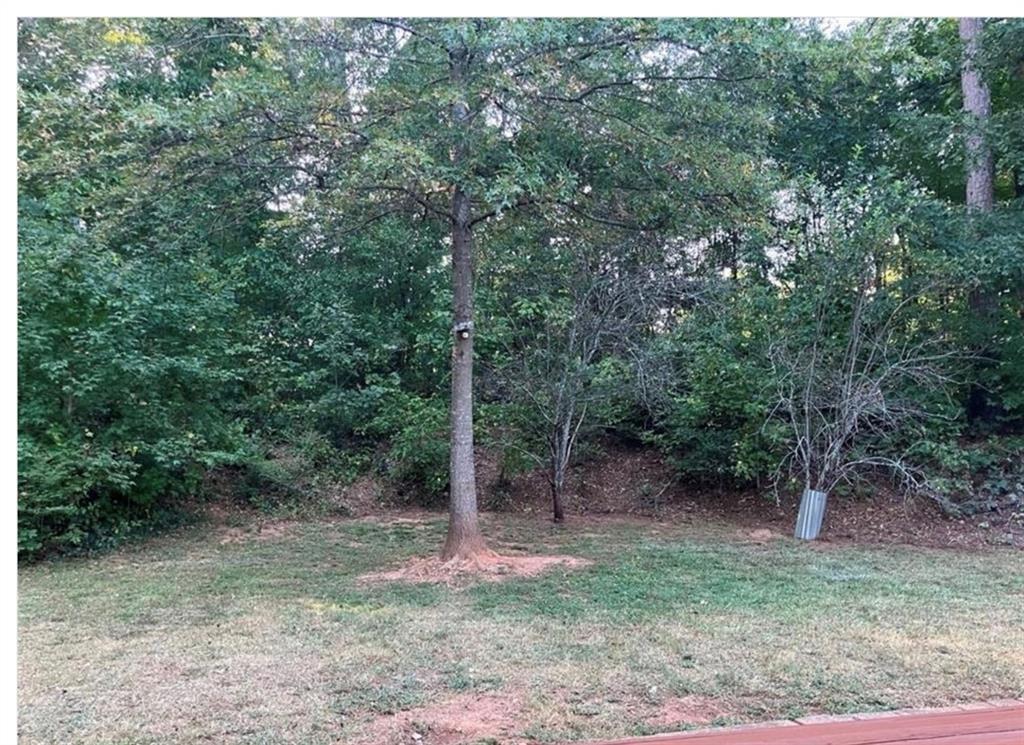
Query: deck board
x=995, y=724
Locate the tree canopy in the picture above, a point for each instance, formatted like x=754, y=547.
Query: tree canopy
x=249, y=243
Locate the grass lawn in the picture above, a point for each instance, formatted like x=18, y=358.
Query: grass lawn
x=210, y=635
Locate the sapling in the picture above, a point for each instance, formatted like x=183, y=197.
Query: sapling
x=850, y=392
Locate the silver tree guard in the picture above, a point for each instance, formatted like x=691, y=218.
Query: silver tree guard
x=812, y=511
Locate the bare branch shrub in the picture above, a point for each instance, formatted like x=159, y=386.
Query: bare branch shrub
x=583, y=352
x=852, y=395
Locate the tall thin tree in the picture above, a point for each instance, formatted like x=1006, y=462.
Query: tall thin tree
x=464, y=537
x=980, y=192
x=978, y=107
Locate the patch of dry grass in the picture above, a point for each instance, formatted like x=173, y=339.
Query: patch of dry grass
x=192, y=639
x=486, y=567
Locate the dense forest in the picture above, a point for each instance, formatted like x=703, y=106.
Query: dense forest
x=788, y=255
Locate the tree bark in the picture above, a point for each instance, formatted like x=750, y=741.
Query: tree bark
x=562, y=440
x=464, y=537
x=978, y=106
x=558, y=468
x=980, y=192
x=557, y=502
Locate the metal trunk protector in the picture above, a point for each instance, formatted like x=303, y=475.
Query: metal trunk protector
x=812, y=511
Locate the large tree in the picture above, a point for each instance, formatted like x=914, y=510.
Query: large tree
x=980, y=168
x=466, y=121
x=286, y=143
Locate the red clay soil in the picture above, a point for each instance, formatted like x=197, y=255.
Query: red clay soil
x=692, y=708
x=464, y=718
x=993, y=723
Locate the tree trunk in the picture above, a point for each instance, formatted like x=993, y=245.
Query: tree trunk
x=558, y=492
x=978, y=106
x=980, y=193
x=464, y=537
x=562, y=441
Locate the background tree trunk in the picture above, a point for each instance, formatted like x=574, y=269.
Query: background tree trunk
x=980, y=193
x=563, y=438
x=464, y=537
x=557, y=496
x=978, y=106
x=560, y=455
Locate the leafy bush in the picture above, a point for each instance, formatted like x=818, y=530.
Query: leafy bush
x=710, y=421
x=416, y=428
x=971, y=478
x=119, y=385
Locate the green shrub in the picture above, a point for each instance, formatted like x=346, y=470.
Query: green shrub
x=969, y=478
x=120, y=385
x=710, y=422
x=416, y=430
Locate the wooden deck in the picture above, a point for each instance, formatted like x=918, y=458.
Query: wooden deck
x=989, y=723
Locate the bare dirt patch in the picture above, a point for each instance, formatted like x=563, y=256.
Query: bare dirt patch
x=622, y=480
x=467, y=718
x=692, y=709
x=760, y=535
x=261, y=530
x=487, y=566
x=636, y=481
x=364, y=496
